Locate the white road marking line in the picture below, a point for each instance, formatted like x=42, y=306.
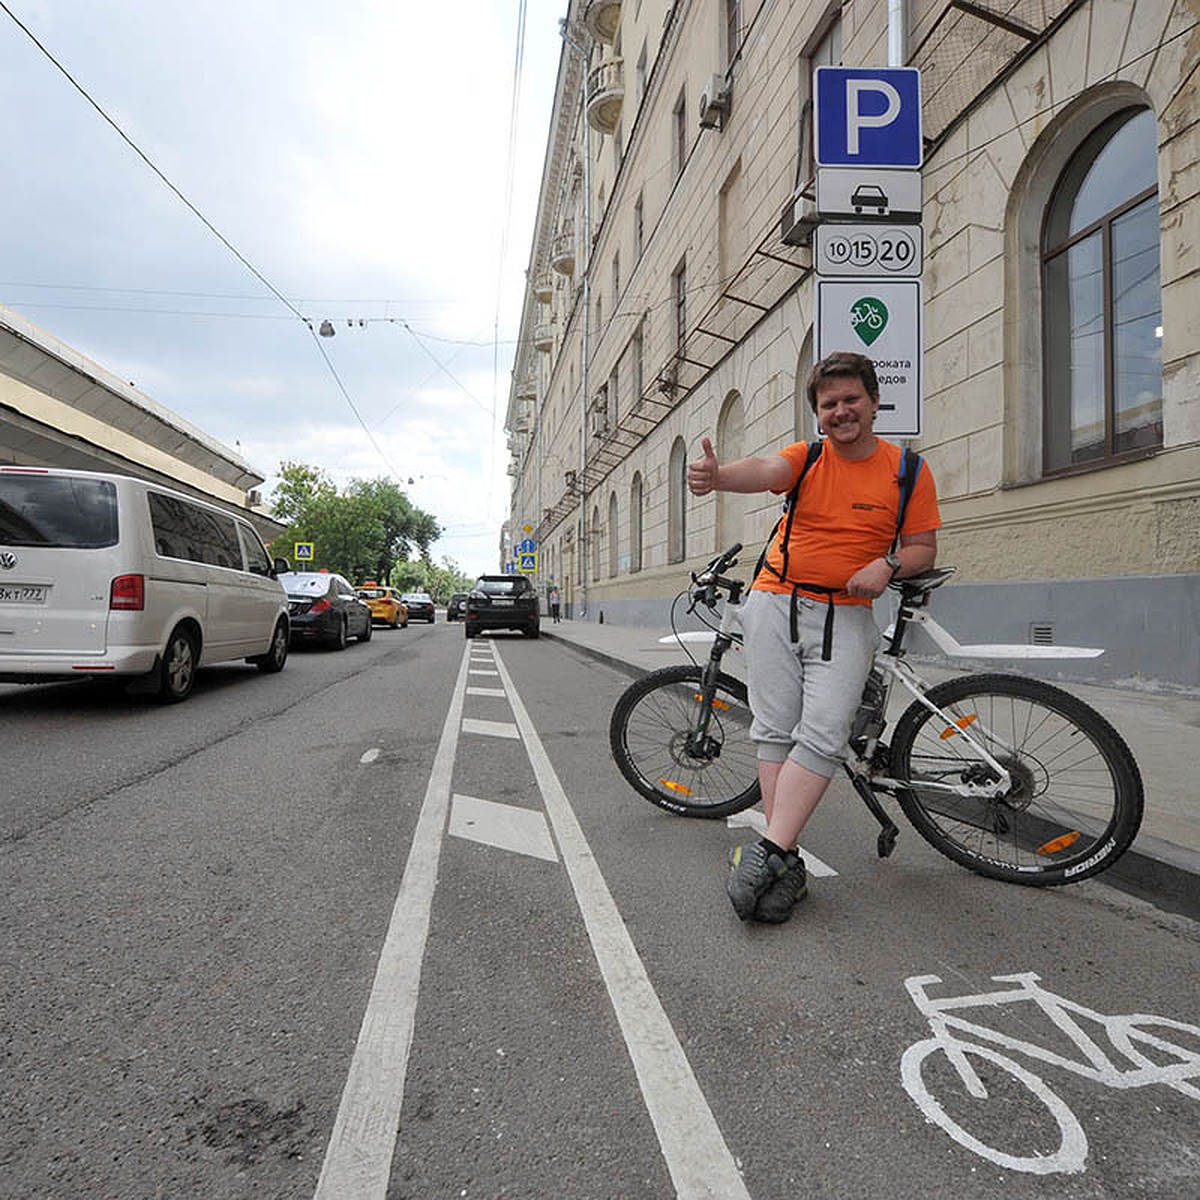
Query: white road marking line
x=754, y=818
x=358, y=1160
x=369, y=756
x=506, y=826
x=477, y=671
x=700, y=1163
x=482, y=691
x=504, y=729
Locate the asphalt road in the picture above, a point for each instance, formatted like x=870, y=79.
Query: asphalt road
x=390, y=924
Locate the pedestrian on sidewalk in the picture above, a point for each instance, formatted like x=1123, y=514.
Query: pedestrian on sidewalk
x=555, y=602
x=810, y=632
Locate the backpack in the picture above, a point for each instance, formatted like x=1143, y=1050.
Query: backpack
x=910, y=468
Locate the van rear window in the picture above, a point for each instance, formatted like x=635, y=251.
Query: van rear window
x=57, y=511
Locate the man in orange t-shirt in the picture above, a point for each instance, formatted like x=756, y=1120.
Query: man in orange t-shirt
x=810, y=631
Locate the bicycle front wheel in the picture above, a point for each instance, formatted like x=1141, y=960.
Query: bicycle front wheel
x=1075, y=799
x=649, y=734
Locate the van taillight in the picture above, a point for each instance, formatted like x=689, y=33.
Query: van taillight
x=128, y=592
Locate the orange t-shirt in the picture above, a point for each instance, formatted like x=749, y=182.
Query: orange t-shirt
x=845, y=517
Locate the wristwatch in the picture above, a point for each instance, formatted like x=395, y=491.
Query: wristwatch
x=893, y=561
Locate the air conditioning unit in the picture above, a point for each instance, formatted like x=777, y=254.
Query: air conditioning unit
x=570, y=478
x=714, y=103
x=253, y=499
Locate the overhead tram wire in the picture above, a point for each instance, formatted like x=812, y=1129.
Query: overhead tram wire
x=206, y=223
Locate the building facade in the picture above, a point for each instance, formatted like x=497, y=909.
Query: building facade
x=671, y=296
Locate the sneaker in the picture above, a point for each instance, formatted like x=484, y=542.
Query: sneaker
x=752, y=872
x=775, y=905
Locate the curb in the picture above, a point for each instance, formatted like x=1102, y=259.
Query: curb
x=1158, y=872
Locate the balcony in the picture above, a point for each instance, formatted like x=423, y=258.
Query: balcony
x=543, y=336
x=602, y=19
x=606, y=95
x=543, y=287
x=562, y=250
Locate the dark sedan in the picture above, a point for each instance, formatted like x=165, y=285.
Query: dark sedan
x=456, y=606
x=420, y=606
x=502, y=602
x=325, y=608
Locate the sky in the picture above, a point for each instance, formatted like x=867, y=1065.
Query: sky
x=361, y=157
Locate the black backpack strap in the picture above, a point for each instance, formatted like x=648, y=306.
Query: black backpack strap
x=910, y=467
x=789, y=510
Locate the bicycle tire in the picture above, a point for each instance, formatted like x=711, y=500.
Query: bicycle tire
x=1075, y=804
x=648, y=734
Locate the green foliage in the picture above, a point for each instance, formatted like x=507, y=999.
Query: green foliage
x=363, y=532
x=441, y=582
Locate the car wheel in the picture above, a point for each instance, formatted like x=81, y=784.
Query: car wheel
x=365, y=636
x=274, y=658
x=469, y=629
x=177, y=672
x=533, y=631
x=341, y=636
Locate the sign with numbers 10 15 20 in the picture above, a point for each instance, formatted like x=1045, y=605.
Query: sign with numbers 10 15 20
x=880, y=250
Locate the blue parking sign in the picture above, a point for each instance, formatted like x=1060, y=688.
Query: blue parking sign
x=868, y=117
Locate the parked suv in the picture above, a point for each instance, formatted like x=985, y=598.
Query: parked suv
x=110, y=577
x=502, y=602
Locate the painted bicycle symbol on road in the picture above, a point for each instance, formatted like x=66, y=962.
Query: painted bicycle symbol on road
x=1134, y=1037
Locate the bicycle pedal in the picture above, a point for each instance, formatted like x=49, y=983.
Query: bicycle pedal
x=886, y=842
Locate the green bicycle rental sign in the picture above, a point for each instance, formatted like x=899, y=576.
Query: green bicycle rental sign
x=882, y=319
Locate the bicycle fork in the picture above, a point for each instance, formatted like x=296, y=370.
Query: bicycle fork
x=699, y=744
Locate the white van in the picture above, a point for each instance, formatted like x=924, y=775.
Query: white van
x=109, y=577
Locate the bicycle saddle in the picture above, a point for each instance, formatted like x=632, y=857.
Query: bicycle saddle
x=923, y=583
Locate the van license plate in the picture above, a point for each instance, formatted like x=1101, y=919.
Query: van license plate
x=23, y=593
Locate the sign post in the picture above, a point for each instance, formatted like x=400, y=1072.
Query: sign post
x=868, y=245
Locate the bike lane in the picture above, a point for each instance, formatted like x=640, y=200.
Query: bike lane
x=554, y=1056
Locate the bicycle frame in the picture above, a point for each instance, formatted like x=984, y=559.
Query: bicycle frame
x=863, y=770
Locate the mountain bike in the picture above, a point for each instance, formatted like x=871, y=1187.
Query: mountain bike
x=1006, y=775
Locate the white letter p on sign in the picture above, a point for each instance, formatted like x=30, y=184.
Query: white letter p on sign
x=856, y=120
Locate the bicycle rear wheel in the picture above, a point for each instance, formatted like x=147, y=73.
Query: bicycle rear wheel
x=1075, y=802
x=649, y=732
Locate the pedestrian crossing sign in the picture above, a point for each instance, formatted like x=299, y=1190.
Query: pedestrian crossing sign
x=527, y=562
x=304, y=551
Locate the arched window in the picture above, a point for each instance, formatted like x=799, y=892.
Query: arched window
x=596, y=532
x=677, y=497
x=1102, y=300
x=635, y=522
x=613, y=538
x=731, y=506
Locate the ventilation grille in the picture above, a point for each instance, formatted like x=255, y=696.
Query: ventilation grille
x=1041, y=633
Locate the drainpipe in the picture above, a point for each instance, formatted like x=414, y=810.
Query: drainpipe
x=565, y=32
x=897, y=31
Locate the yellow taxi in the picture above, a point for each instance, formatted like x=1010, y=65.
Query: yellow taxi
x=386, y=606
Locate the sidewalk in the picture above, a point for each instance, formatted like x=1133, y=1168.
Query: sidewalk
x=1162, y=866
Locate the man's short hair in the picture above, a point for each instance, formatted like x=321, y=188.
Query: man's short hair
x=839, y=365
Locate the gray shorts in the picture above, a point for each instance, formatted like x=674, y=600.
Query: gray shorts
x=803, y=706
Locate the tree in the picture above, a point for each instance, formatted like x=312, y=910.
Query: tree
x=361, y=532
